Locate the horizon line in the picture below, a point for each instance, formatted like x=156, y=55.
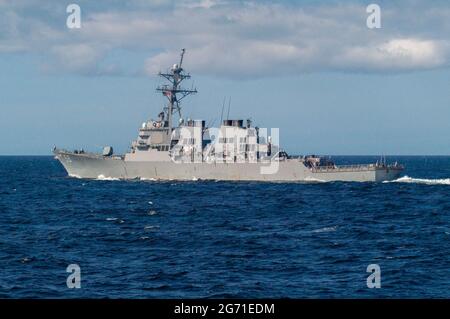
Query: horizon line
x=306, y=154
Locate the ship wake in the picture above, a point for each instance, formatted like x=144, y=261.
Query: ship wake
x=411, y=180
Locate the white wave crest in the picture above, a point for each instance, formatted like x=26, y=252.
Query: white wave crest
x=104, y=178
x=407, y=179
x=325, y=229
x=75, y=176
x=143, y=179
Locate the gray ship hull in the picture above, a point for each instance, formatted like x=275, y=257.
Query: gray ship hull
x=192, y=150
x=91, y=166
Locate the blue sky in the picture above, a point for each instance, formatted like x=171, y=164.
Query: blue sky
x=311, y=68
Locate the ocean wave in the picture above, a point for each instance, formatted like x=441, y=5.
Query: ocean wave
x=426, y=181
x=116, y=220
x=325, y=229
x=75, y=176
x=151, y=227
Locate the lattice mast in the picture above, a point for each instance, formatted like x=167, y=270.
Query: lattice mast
x=173, y=92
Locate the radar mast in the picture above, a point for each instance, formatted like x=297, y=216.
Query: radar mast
x=173, y=92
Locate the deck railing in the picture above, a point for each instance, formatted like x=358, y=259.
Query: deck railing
x=361, y=167
x=351, y=168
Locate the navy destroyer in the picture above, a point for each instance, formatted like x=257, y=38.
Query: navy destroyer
x=190, y=150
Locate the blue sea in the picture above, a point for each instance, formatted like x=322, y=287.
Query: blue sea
x=210, y=239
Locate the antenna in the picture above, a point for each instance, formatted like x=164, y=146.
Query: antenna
x=221, y=114
x=210, y=123
x=229, y=105
x=181, y=58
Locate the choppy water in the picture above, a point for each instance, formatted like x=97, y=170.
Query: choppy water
x=223, y=239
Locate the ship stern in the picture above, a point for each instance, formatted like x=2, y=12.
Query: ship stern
x=388, y=173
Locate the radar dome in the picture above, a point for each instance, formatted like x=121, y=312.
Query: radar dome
x=108, y=151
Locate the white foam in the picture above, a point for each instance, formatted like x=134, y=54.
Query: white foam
x=75, y=176
x=148, y=179
x=104, y=178
x=111, y=219
x=407, y=179
x=312, y=179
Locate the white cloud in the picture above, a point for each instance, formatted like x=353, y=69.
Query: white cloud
x=255, y=58
x=396, y=55
x=237, y=39
x=206, y=4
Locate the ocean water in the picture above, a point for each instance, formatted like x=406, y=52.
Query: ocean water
x=207, y=239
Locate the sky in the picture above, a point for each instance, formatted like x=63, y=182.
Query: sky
x=313, y=69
